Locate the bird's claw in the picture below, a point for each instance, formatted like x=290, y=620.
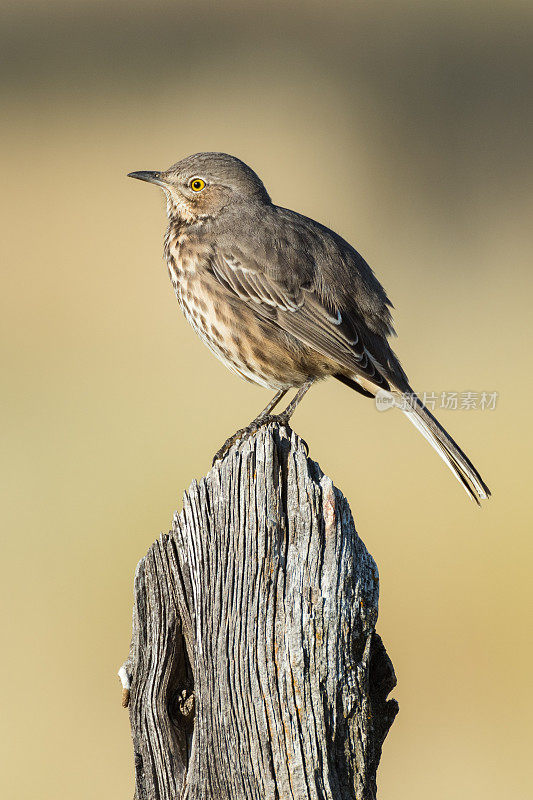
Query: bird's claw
x=253, y=427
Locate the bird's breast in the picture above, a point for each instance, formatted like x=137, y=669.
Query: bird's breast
x=249, y=346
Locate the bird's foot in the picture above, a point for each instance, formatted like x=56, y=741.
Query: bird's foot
x=253, y=427
x=283, y=419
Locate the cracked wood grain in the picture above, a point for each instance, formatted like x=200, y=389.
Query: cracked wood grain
x=256, y=671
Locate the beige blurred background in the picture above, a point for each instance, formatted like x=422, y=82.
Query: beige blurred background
x=407, y=127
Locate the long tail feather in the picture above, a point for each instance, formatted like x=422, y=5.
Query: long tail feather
x=448, y=450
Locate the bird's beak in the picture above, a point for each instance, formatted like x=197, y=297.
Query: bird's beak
x=149, y=177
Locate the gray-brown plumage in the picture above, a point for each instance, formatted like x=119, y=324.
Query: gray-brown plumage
x=280, y=299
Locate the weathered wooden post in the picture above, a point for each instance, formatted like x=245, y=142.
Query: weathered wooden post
x=256, y=672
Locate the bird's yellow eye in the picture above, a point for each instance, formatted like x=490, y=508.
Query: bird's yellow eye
x=196, y=184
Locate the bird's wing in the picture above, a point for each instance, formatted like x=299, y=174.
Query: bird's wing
x=305, y=305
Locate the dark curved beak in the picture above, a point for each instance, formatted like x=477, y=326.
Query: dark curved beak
x=149, y=177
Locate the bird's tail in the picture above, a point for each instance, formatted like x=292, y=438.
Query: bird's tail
x=448, y=450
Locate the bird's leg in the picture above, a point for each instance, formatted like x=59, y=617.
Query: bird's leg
x=260, y=420
x=285, y=416
x=273, y=403
x=298, y=397
x=265, y=417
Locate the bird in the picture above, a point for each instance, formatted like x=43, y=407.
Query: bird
x=282, y=300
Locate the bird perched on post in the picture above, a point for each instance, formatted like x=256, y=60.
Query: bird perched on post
x=282, y=300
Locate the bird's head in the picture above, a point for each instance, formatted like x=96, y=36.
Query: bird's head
x=200, y=186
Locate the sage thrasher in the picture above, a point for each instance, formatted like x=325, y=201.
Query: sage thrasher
x=282, y=300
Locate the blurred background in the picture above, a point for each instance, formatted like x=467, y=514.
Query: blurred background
x=405, y=126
